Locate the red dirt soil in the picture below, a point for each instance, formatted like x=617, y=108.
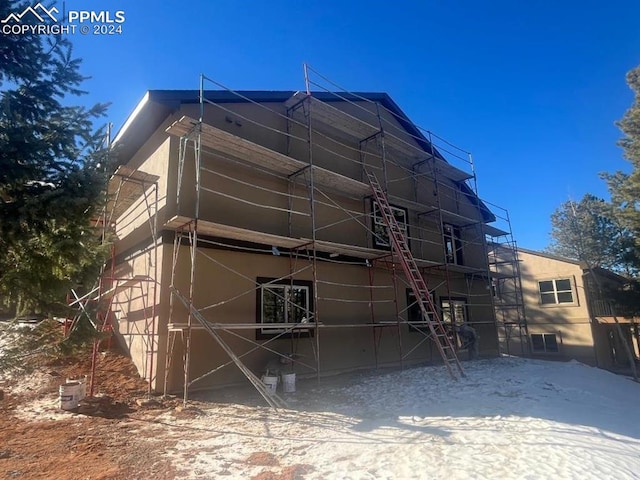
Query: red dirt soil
x=112, y=437
x=101, y=445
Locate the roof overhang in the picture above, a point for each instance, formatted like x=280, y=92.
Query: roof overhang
x=156, y=105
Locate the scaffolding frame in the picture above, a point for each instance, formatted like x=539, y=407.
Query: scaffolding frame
x=127, y=190
x=504, y=265
x=304, y=111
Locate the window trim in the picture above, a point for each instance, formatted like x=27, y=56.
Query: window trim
x=454, y=322
x=558, y=342
x=265, y=282
x=455, y=299
x=574, y=292
x=376, y=219
x=455, y=239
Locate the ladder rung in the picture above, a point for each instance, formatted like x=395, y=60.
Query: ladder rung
x=416, y=281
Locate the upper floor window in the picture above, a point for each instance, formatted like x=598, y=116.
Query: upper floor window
x=557, y=291
x=381, y=232
x=452, y=244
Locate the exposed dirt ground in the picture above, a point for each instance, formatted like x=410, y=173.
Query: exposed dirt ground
x=100, y=443
x=116, y=434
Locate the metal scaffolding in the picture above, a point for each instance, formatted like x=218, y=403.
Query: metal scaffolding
x=368, y=131
x=132, y=197
x=506, y=286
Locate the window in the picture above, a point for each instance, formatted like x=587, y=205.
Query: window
x=495, y=289
x=380, y=231
x=452, y=244
x=284, y=302
x=414, y=314
x=454, y=310
x=554, y=292
x=454, y=313
x=544, y=343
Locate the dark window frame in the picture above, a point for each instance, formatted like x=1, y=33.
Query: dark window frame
x=380, y=224
x=544, y=339
x=558, y=294
x=265, y=283
x=453, y=253
x=456, y=321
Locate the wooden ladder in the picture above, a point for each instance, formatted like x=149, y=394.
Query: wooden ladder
x=416, y=281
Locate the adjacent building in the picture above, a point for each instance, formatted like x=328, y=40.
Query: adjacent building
x=568, y=315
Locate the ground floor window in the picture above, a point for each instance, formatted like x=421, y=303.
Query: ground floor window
x=454, y=310
x=544, y=343
x=414, y=314
x=454, y=314
x=281, y=302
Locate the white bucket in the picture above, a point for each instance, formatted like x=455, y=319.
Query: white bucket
x=271, y=383
x=289, y=382
x=82, y=389
x=69, y=395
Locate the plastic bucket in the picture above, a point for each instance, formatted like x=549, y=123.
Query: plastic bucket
x=289, y=382
x=82, y=389
x=271, y=383
x=69, y=395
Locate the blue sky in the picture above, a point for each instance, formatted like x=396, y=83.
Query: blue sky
x=532, y=89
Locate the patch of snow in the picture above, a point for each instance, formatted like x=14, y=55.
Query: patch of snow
x=43, y=409
x=509, y=418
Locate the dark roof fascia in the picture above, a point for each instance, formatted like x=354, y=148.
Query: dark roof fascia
x=178, y=97
x=604, y=273
x=550, y=256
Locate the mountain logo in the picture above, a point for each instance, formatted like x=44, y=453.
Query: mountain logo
x=39, y=12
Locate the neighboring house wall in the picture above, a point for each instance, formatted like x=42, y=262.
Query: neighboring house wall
x=610, y=338
x=568, y=315
x=557, y=316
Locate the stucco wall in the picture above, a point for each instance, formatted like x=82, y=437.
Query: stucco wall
x=135, y=321
x=570, y=322
x=228, y=278
x=237, y=197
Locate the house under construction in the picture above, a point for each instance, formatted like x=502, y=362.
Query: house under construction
x=320, y=226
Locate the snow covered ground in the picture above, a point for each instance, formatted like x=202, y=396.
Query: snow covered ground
x=510, y=418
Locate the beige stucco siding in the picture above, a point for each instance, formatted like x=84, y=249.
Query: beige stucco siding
x=153, y=158
x=570, y=322
x=135, y=321
x=347, y=338
x=249, y=196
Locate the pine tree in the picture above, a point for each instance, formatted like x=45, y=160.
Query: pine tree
x=589, y=231
x=52, y=174
x=625, y=188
